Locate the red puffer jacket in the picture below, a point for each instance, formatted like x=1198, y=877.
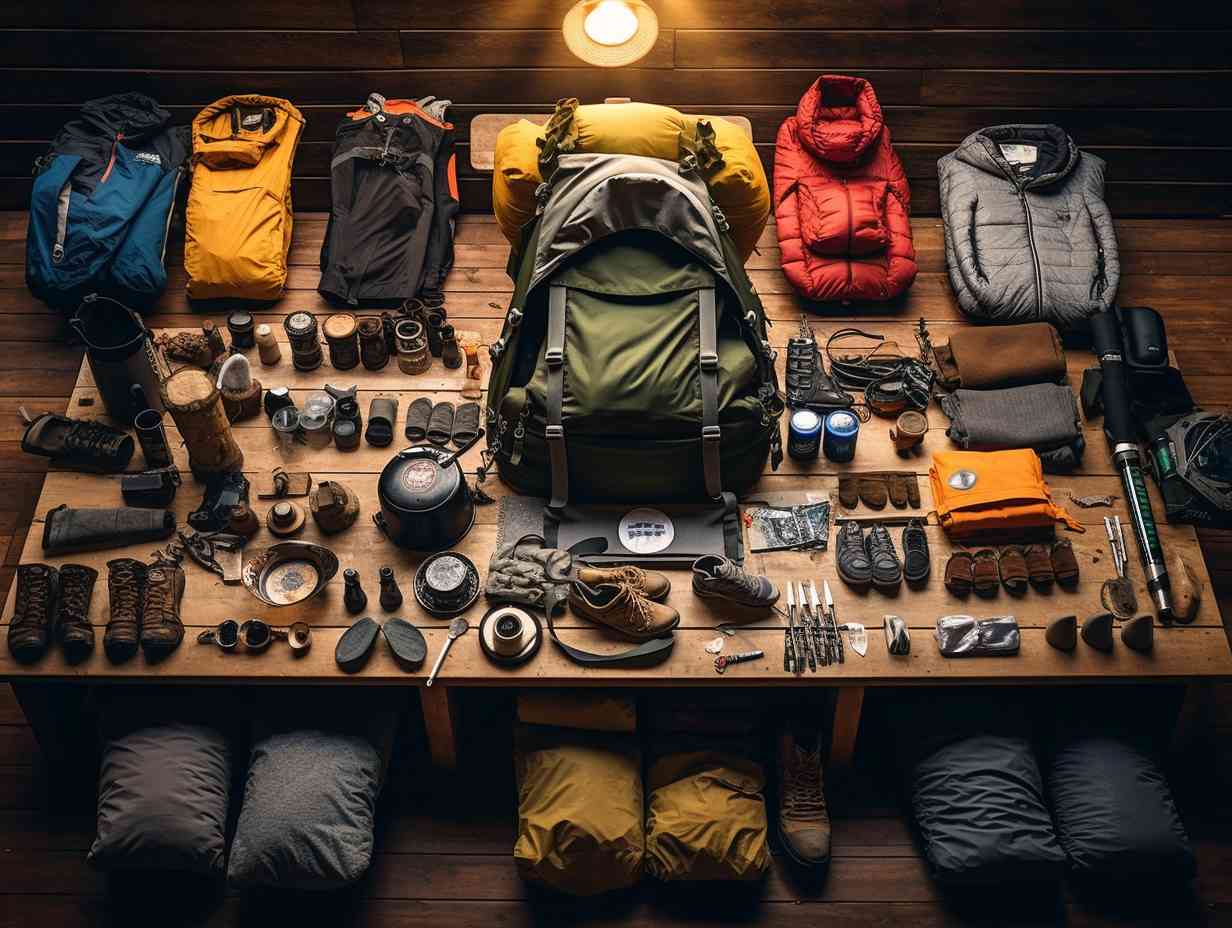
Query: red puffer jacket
x=841, y=198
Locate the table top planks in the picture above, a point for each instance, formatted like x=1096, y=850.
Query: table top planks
x=476, y=302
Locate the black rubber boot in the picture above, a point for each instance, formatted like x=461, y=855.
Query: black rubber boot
x=68, y=530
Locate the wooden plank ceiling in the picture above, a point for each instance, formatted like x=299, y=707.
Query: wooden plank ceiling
x=1144, y=85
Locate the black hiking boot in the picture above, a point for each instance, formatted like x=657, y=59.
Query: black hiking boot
x=916, y=560
x=886, y=568
x=78, y=443
x=73, y=628
x=854, y=565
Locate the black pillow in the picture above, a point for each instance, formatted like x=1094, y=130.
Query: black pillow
x=1114, y=811
x=979, y=806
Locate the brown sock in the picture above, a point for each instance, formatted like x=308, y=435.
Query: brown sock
x=1065, y=564
x=848, y=492
x=1039, y=566
x=985, y=573
x=873, y=491
x=958, y=576
x=1013, y=566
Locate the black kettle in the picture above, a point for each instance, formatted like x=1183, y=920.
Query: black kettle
x=426, y=504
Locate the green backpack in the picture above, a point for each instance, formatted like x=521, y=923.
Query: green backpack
x=634, y=363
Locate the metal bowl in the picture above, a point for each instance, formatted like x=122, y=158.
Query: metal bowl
x=289, y=572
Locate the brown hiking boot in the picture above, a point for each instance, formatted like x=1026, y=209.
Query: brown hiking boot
x=623, y=609
x=649, y=583
x=161, y=628
x=125, y=589
x=73, y=628
x=804, y=822
x=30, y=628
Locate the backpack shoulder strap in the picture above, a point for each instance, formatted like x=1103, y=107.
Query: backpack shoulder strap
x=554, y=357
x=708, y=359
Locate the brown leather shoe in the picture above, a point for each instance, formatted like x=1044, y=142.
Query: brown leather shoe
x=1065, y=564
x=38, y=586
x=1039, y=566
x=125, y=589
x=623, y=609
x=161, y=627
x=958, y=573
x=804, y=821
x=1012, y=563
x=649, y=583
x=73, y=628
x=986, y=577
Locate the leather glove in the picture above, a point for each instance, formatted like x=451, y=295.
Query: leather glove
x=873, y=490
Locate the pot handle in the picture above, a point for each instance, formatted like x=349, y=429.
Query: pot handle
x=445, y=462
x=379, y=521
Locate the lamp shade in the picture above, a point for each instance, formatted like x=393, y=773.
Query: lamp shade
x=610, y=33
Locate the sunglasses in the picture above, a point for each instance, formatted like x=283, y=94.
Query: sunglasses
x=255, y=635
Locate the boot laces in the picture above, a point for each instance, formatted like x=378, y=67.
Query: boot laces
x=803, y=797
x=160, y=602
x=123, y=590
x=75, y=604
x=86, y=437
x=735, y=576
x=33, y=598
x=639, y=607
x=852, y=533
x=878, y=540
x=914, y=538
x=633, y=576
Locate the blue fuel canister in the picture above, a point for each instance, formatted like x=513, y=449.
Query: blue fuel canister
x=841, y=431
x=804, y=435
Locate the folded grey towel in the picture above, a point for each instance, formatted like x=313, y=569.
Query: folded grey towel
x=1042, y=416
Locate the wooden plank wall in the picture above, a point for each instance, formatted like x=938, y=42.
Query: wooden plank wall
x=1147, y=84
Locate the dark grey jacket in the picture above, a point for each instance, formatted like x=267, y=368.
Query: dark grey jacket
x=1028, y=236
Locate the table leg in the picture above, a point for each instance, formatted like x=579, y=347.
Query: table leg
x=440, y=716
x=848, y=702
x=64, y=729
x=1193, y=720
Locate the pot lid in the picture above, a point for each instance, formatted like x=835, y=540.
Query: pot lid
x=414, y=482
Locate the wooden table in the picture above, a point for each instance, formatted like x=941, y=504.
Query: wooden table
x=1190, y=653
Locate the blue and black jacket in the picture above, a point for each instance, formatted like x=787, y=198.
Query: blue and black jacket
x=102, y=203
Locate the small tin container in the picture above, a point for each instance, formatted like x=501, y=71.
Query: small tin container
x=343, y=341
x=286, y=422
x=301, y=329
x=373, y=352
x=240, y=325
x=413, y=356
x=804, y=435
x=267, y=346
x=842, y=429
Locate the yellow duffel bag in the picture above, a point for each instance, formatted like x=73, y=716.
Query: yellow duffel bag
x=725, y=155
x=580, y=813
x=707, y=818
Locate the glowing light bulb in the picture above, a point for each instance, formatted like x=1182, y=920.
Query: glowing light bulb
x=611, y=22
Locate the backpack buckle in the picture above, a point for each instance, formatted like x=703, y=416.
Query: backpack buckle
x=709, y=361
x=711, y=433
x=515, y=317
x=497, y=348
x=554, y=432
x=554, y=357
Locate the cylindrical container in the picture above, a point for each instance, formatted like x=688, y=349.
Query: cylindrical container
x=909, y=431
x=217, y=346
x=343, y=342
x=267, y=346
x=436, y=320
x=319, y=405
x=346, y=434
x=286, y=426
x=316, y=430
x=413, y=356
x=276, y=398
x=372, y=349
x=301, y=329
x=153, y=438
x=240, y=325
x=196, y=406
x=842, y=428
x=414, y=309
x=804, y=435
x=121, y=353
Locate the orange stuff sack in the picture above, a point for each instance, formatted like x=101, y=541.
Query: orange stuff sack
x=983, y=492
x=238, y=228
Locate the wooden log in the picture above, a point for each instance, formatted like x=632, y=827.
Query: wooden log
x=196, y=406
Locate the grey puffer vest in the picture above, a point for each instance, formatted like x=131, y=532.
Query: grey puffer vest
x=1028, y=236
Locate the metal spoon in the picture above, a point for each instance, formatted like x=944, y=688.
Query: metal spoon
x=457, y=628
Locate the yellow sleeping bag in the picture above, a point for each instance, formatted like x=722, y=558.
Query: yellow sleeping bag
x=238, y=229
x=726, y=158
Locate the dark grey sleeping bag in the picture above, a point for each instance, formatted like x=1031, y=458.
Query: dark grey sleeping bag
x=1114, y=811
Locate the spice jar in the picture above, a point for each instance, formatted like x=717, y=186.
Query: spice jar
x=413, y=356
x=343, y=341
x=267, y=346
x=373, y=351
x=240, y=325
x=301, y=329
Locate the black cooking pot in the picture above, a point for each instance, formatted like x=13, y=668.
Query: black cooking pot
x=426, y=504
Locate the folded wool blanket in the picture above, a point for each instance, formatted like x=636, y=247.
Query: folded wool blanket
x=1042, y=416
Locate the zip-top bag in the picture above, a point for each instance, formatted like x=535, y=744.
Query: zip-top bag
x=634, y=362
x=101, y=204
x=394, y=186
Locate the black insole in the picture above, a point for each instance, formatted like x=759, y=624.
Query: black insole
x=355, y=645
x=407, y=643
